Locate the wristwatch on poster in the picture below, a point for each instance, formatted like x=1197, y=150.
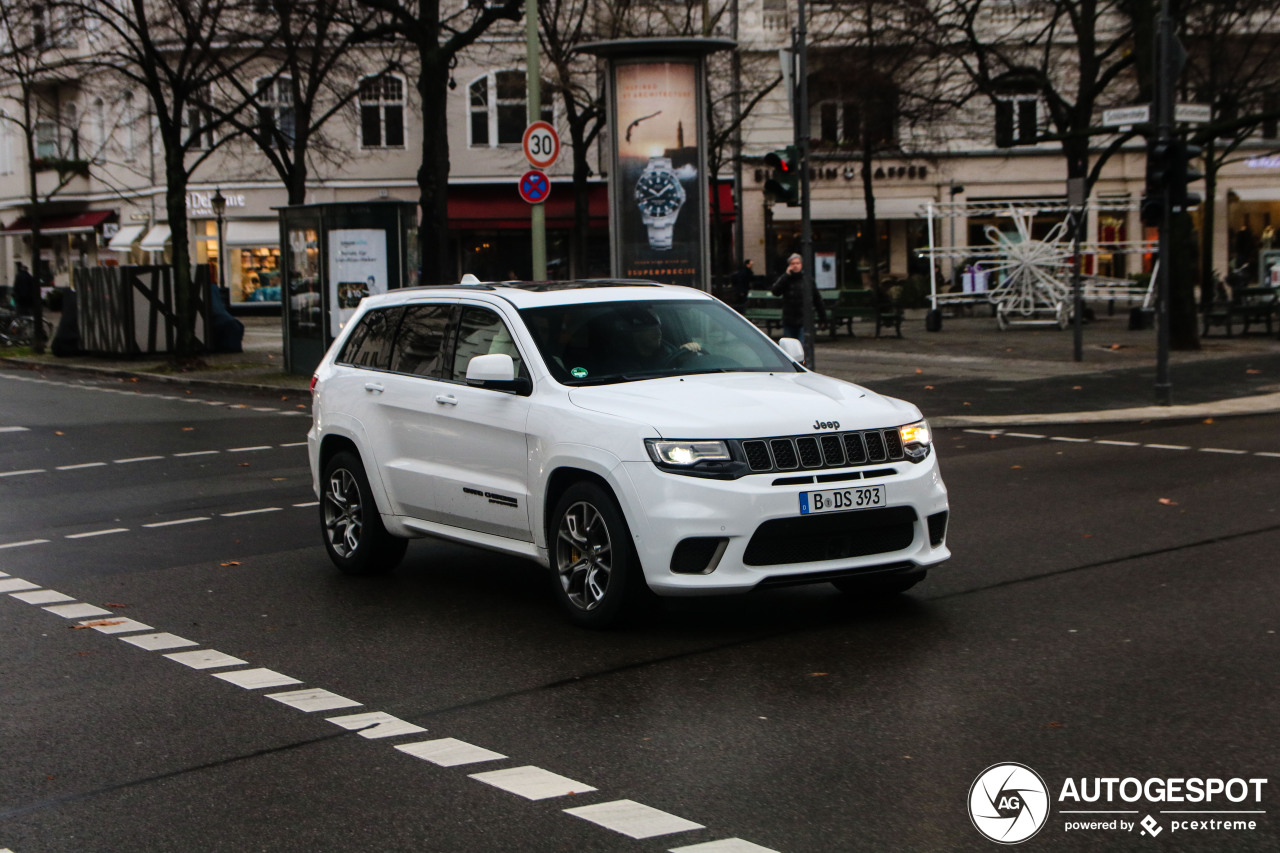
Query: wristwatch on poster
x=660, y=196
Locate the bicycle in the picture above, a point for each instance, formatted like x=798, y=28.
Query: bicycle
x=18, y=330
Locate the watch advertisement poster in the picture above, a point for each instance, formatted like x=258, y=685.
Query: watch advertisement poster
x=661, y=206
x=357, y=268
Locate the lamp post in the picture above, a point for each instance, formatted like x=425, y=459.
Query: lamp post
x=219, y=204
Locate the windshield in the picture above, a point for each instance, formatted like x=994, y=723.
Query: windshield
x=606, y=342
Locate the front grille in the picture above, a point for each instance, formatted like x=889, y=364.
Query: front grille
x=831, y=536
x=831, y=450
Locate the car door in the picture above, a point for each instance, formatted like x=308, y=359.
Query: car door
x=453, y=454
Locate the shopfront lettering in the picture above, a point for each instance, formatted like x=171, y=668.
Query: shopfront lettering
x=201, y=203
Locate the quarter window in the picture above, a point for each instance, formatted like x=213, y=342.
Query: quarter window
x=382, y=112
x=370, y=343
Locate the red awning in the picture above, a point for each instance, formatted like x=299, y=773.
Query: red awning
x=489, y=206
x=74, y=223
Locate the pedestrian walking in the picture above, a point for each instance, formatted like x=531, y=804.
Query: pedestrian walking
x=25, y=291
x=790, y=286
x=740, y=284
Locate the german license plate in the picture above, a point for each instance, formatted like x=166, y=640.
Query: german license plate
x=842, y=500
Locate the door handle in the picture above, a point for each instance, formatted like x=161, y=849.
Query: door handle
x=446, y=399
x=373, y=387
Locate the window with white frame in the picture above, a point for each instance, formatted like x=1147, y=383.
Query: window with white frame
x=129, y=120
x=382, y=112
x=198, y=121
x=46, y=137
x=275, y=107
x=1017, y=107
x=7, y=128
x=499, y=109
x=101, y=136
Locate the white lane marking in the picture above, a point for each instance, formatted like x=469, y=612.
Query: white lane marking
x=106, y=532
x=158, y=642
x=20, y=473
x=118, y=625
x=1118, y=443
x=1067, y=438
x=265, y=409
x=724, y=845
x=632, y=819
x=191, y=520
x=82, y=465
x=532, y=783
x=376, y=724
x=449, y=752
x=1023, y=435
x=307, y=504
x=205, y=659
x=16, y=584
x=1223, y=450
x=248, y=449
x=1266, y=453
x=13, y=429
x=985, y=431
x=41, y=596
x=1168, y=446
x=250, y=511
x=77, y=611
x=295, y=444
x=314, y=699
x=195, y=453
x=24, y=543
x=255, y=679
x=136, y=459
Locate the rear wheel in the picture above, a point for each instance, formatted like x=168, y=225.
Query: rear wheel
x=873, y=586
x=354, y=536
x=595, y=571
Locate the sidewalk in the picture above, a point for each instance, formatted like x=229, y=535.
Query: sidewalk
x=968, y=374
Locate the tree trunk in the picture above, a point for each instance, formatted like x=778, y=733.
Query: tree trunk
x=1208, y=224
x=1184, y=328
x=581, y=205
x=185, y=297
x=869, y=197
x=433, y=174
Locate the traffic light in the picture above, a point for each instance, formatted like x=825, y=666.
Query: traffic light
x=1181, y=174
x=785, y=183
x=1159, y=155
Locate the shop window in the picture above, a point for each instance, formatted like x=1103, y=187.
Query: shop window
x=499, y=108
x=275, y=108
x=382, y=112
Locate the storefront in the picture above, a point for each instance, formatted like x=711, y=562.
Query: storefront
x=1253, y=249
x=843, y=239
x=66, y=241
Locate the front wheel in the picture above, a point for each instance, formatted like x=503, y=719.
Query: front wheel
x=592, y=560
x=354, y=536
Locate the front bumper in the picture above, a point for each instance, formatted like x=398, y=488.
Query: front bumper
x=738, y=534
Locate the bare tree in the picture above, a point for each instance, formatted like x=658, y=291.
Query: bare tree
x=437, y=30
x=178, y=52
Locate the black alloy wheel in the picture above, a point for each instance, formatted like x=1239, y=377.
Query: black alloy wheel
x=354, y=536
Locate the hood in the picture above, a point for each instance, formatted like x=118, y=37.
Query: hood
x=745, y=405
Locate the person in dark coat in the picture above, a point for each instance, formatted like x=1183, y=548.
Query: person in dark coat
x=740, y=284
x=790, y=286
x=25, y=291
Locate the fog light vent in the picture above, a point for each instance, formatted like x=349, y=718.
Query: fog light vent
x=698, y=555
x=937, y=528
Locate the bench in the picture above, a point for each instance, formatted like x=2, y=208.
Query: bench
x=863, y=304
x=764, y=309
x=1249, y=306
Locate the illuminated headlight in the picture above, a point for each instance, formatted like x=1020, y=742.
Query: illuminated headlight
x=916, y=439
x=685, y=453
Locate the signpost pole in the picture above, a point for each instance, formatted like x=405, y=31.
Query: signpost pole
x=533, y=80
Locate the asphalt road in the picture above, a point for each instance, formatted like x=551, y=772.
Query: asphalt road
x=1110, y=612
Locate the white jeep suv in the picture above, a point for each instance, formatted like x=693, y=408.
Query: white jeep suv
x=631, y=437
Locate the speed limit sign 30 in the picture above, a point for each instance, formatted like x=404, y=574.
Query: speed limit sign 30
x=541, y=144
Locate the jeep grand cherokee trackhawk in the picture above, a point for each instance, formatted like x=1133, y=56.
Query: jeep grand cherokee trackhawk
x=629, y=436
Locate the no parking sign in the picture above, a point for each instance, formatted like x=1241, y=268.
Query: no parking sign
x=534, y=186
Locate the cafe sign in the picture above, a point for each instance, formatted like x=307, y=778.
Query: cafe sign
x=201, y=203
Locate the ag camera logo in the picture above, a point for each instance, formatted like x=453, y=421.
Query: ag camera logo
x=1008, y=803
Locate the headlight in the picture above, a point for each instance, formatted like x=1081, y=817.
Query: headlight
x=916, y=439
x=686, y=453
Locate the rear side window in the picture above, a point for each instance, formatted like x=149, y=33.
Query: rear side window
x=482, y=332
x=421, y=346
x=370, y=342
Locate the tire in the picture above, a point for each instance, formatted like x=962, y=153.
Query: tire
x=595, y=573
x=350, y=523
x=872, y=586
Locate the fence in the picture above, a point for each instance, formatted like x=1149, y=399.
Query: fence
x=132, y=310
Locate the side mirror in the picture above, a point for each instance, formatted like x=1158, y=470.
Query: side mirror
x=498, y=372
x=793, y=348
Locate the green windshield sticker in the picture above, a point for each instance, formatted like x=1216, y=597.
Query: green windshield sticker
x=579, y=373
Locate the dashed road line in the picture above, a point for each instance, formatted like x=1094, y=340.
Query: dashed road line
x=177, y=521
x=249, y=449
x=136, y=459
x=93, y=533
x=13, y=429
x=251, y=511
x=188, y=454
x=24, y=543
x=21, y=473
x=80, y=465
x=1111, y=442
x=624, y=817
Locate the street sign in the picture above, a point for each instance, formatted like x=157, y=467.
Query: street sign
x=1193, y=113
x=534, y=187
x=541, y=144
x=1122, y=116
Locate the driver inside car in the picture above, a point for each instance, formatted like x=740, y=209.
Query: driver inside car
x=647, y=341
